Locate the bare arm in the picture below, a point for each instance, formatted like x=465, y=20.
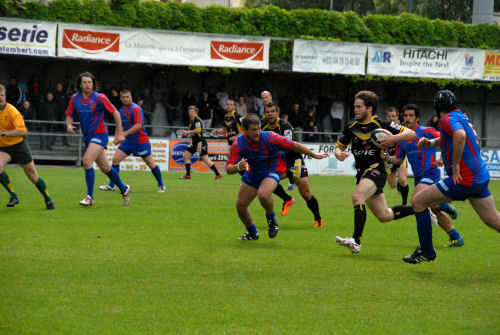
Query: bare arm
x=134, y=129
x=390, y=140
x=340, y=154
x=119, y=129
x=15, y=132
x=191, y=132
x=69, y=125
x=458, y=149
x=306, y=151
x=235, y=168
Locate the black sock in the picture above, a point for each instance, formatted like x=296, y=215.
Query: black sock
x=214, y=169
x=314, y=207
x=188, y=169
x=404, y=193
x=359, y=222
x=280, y=192
x=289, y=174
x=400, y=211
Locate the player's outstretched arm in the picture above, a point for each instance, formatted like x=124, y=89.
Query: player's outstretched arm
x=306, y=151
x=340, y=154
x=119, y=129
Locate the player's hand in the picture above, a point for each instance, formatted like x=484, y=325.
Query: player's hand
x=424, y=142
x=119, y=138
x=389, y=141
x=438, y=162
x=215, y=131
x=457, y=178
x=184, y=133
x=71, y=129
x=242, y=165
x=342, y=156
x=233, y=138
x=321, y=155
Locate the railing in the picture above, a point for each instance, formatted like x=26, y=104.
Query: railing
x=43, y=139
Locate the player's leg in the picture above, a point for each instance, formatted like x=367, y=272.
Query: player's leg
x=312, y=202
x=5, y=158
x=105, y=167
x=155, y=169
x=212, y=166
x=118, y=157
x=187, y=162
x=245, y=197
x=403, y=182
x=264, y=193
x=485, y=208
x=30, y=171
x=392, y=180
x=93, y=151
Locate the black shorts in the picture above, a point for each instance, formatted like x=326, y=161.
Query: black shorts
x=200, y=146
x=20, y=153
x=297, y=167
x=377, y=175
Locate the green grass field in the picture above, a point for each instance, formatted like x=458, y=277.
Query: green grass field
x=171, y=264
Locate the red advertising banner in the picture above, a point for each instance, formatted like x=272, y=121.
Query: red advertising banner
x=217, y=153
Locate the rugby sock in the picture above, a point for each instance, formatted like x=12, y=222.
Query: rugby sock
x=157, y=173
x=400, y=211
x=89, y=178
x=214, y=169
x=40, y=185
x=454, y=234
x=188, y=169
x=4, y=179
x=252, y=229
x=404, y=193
x=115, y=178
x=280, y=192
x=424, y=229
x=117, y=169
x=270, y=216
x=312, y=204
x=289, y=174
x=359, y=222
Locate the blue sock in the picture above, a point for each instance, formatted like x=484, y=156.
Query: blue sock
x=89, y=178
x=115, y=178
x=252, y=229
x=157, y=173
x=270, y=216
x=454, y=234
x=424, y=228
x=117, y=168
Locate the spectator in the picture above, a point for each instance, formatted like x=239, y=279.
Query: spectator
x=148, y=107
x=286, y=102
x=14, y=93
x=241, y=106
x=311, y=126
x=60, y=100
x=222, y=97
x=173, y=104
x=187, y=100
x=48, y=113
x=27, y=112
x=433, y=122
x=258, y=106
x=205, y=110
x=337, y=114
x=236, y=94
x=309, y=100
x=323, y=116
x=295, y=119
x=250, y=99
x=36, y=93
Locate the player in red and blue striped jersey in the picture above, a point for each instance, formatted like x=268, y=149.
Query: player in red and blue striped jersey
x=468, y=176
x=425, y=168
x=260, y=155
x=90, y=106
x=136, y=140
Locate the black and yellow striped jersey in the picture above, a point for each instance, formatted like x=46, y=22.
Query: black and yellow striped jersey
x=196, y=123
x=357, y=135
x=285, y=129
x=232, y=124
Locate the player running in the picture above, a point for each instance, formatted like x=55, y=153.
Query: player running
x=294, y=160
x=136, y=140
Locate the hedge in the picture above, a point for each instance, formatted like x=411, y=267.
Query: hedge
x=271, y=21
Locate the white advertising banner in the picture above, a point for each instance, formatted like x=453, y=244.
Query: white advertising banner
x=28, y=38
x=147, y=46
x=329, y=57
x=329, y=166
x=410, y=61
x=159, y=151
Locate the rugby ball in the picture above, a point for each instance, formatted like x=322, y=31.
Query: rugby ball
x=378, y=134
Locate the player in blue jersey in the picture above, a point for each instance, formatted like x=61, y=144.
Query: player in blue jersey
x=90, y=106
x=136, y=140
x=425, y=164
x=260, y=155
x=468, y=176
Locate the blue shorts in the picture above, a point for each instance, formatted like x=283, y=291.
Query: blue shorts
x=428, y=178
x=461, y=192
x=254, y=180
x=138, y=150
x=101, y=139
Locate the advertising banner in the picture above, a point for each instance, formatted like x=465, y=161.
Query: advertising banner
x=148, y=46
x=410, y=61
x=159, y=150
x=329, y=57
x=492, y=160
x=28, y=38
x=491, y=66
x=217, y=153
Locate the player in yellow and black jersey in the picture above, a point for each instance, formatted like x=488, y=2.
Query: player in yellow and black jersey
x=296, y=167
x=198, y=144
x=371, y=170
x=232, y=123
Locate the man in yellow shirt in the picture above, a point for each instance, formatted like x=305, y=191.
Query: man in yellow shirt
x=13, y=149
